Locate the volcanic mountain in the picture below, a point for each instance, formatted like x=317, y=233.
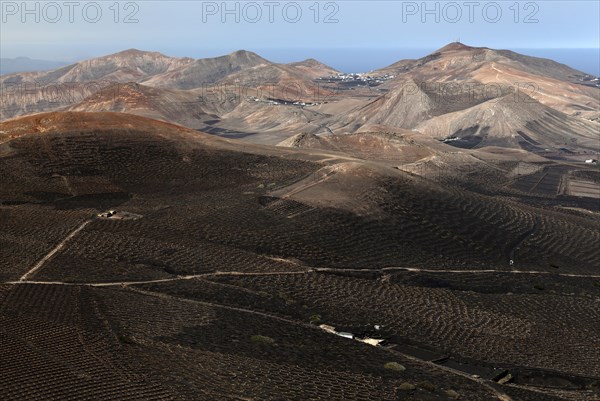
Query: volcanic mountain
x=457, y=61
x=246, y=96
x=552, y=83
x=511, y=122
x=243, y=73
x=35, y=92
x=461, y=91
x=204, y=72
x=172, y=105
x=314, y=68
x=129, y=65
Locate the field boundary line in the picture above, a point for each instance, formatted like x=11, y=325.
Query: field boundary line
x=497, y=393
x=160, y=280
x=447, y=271
x=57, y=248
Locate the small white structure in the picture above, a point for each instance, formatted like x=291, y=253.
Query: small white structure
x=371, y=341
x=122, y=215
x=345, y=335
x=327, y=328
x=591, y=161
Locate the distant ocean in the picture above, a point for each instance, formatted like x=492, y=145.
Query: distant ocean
x=364, y=60
x=586, y=60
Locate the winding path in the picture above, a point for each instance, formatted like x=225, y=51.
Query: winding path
x=24, y=280
x=160, y=280
x=446, y=271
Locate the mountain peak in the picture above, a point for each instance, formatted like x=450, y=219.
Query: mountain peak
x=309, y=62
x=312, y=63
x=131, y=52
x=455, y=46
x=244, y=58
x=245, y=54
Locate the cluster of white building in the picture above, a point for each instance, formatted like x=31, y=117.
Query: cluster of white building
x=363, y=77
x=284, y=102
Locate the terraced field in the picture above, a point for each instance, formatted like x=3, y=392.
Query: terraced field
x=21, y=240
x=56, y=345
x=542, y=183
x=73, y=342
x=201, y=205
x=217, y=287
x=583, y=188
x=513, y=324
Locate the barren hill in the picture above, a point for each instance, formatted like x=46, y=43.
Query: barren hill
x=243, y=74
x=125, y=66
x=207, y=71
x=514, y=122
x=177, y=106
x=458, y=58
x=314, y=68
x=398, y=147
x=552, y=83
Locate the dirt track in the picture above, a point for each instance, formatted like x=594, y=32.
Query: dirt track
x=58, y=247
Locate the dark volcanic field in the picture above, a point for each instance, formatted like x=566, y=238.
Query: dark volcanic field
x=214, y=293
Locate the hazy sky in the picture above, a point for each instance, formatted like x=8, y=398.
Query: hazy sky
x=69, y=31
